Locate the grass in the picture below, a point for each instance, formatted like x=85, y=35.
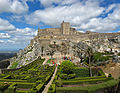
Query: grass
x=14, y=65
x=50, y=61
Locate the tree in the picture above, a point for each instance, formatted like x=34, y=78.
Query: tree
x=79, y=52
x=67, y=67
x=64, y=48
x=51, y=51
x=89, y=53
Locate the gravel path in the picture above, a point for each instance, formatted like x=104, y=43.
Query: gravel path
x=50, y=82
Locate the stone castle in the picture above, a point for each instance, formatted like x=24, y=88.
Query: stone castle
x=65, y=32
x=39, y=46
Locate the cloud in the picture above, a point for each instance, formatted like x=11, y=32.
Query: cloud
x=5, y=25
x=22, y=36
x=84, y=15
x=76, y=14
x=110, y=7
x=1, y=41
x=24, y=32
x=107, y=24
x=4, y=36
x=13, y=6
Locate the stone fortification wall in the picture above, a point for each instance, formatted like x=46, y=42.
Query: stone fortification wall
x=49, y=31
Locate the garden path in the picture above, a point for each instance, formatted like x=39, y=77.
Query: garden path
x=50, y=82
x=45, y=61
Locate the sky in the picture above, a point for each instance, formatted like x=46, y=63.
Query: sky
x=20, y=19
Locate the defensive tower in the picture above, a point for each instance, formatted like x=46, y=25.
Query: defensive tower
x=65, y=28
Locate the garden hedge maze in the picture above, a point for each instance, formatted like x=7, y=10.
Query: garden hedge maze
x=31, y=78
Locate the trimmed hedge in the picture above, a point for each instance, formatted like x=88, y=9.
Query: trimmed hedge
x=52, y=89
x=2, y=75
x=25, y=85
x=89, y=89
x=67, y=76
x=77, y=82
x=12, y=80
x=86, y=78
x=3, y=86
x=12, y=88
x=20, y=91
x=40, y=87
x=7, y=77
x=47, y=79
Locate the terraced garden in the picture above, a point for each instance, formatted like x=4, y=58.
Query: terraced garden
x=31, y=78
x=79, y=81
x=70, y=78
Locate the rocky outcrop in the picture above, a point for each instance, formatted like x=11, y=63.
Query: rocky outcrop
x=39, y=46
x=29, y=54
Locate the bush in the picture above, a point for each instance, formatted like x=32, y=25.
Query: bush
x=7, y=77
x=77, y=82
x=63, y=76
x=51, y=88
x=40, y=87
x=25, y=85
x=12, y=80
x=67, y=67
x=101, y=73
x=81, y=72
x=67, y=76
x=89, y=89
x=12, y=88
x=3, y=86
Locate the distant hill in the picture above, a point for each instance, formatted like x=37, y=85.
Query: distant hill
x=6, y=55
x=4, y=58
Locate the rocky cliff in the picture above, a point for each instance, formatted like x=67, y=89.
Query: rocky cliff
x=100, y=42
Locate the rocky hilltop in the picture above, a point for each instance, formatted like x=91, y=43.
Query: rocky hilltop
x=62, y=40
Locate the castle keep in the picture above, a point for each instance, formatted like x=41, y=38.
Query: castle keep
x=65, y=29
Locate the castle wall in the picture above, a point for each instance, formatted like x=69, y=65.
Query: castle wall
x=49, y=31
x=54, y=30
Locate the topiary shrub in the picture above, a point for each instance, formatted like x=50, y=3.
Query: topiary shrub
x=50, y=88
x=67, y=76
x=67, y=67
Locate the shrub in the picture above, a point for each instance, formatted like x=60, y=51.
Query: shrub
x=51, y=88
x=77, y=82
x=67, y=76
x=67, y=67
x=101, y=73
x=89, y=89
x=12, y=88
x=71, y=76
x=63, y=76
x=40, y=87
x=59, y=82
x=7, y=77
x=3, y=86
x=25, y=85
x=81, y=72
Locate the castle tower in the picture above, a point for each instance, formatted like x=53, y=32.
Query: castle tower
x=65, y=28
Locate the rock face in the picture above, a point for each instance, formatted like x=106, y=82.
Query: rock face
x=29, y=54
x=63, y=39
